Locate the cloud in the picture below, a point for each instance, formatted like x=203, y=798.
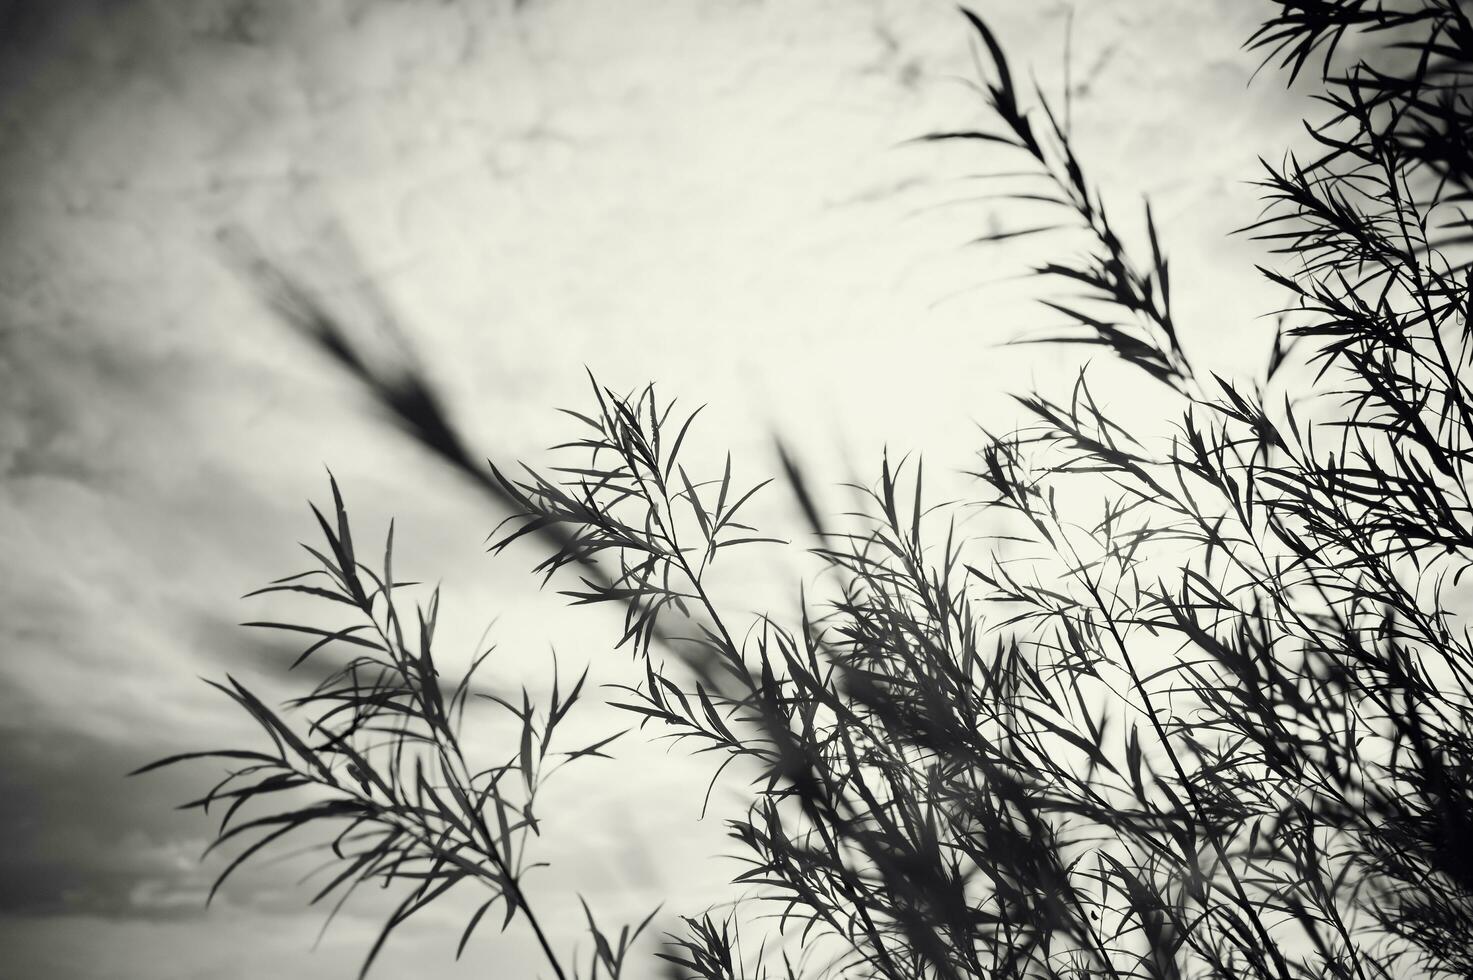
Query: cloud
x=77, y=837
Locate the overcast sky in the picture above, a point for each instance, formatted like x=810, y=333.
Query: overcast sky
x=712, y=194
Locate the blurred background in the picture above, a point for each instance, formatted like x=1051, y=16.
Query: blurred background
x=715, y=195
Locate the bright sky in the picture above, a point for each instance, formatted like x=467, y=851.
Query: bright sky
x=712, y=195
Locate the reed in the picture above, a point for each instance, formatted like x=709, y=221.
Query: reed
x=1206, y=714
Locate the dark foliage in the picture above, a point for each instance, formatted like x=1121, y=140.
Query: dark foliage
x=1206, y=714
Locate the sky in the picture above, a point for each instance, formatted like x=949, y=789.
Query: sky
x=717, y=196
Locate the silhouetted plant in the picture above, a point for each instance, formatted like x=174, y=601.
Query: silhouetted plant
x=1205, y=714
